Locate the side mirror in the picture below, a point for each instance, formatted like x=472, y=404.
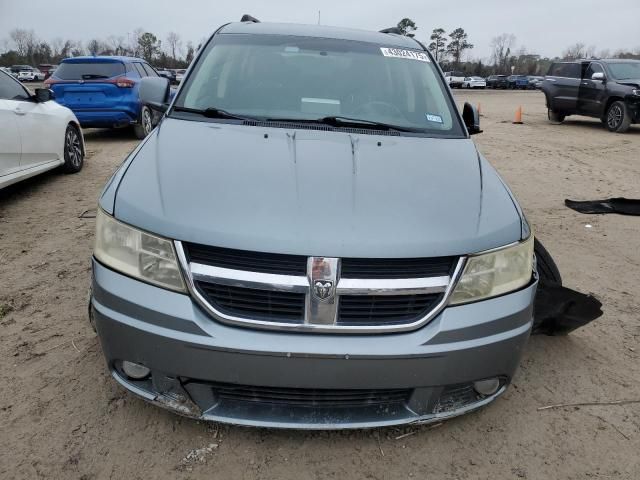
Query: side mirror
x=154, y=91
x=598, y=76
x=471, y=118
x=44, y=95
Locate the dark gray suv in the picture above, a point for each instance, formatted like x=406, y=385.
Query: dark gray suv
x=310, y=239
x=604, y=89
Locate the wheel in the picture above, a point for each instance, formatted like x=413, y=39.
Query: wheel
x=555, y=117
x=73, y=154
x=547, y=269
x=618, y=119
x=145, y=124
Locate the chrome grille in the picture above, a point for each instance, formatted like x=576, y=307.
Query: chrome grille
x=329, y=294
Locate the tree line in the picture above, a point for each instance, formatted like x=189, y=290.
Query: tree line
x=24, y=47
x=451, y=50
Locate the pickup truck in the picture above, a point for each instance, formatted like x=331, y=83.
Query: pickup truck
x=454, y=79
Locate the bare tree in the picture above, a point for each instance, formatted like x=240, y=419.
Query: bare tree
x=116, y=44
x=501, y=50
x=174, y=44
x=578, y=50
x=24, y=40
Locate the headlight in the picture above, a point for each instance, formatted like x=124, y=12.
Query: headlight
x=136, y=253
x=495, y=273
x=636, y=91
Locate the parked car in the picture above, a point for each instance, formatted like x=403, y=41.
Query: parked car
x=32, y=75
x=604, y=89
x=497, y=81
x=534, y=81
x=454, y=79
x=169, y=75
x=474, y=82
x=518, y=82
x=248, y=269
x=36, y=134
x=18, y=68
x=103, y=91
x=47, y=69
x=180, y=75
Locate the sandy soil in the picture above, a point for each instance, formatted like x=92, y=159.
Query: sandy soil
x=62, y=416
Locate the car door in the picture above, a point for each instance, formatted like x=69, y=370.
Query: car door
x=10, y=141
x=592, y=97
x=564, y=83
x=38, y=125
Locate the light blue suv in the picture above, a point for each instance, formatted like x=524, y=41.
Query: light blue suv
x=311, y=239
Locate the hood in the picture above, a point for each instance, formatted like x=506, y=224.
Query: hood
x=630, y=83
x=316, y=193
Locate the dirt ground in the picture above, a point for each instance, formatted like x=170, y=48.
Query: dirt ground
x=62, y=416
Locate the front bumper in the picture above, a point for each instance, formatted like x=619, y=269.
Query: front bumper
x=193, y=359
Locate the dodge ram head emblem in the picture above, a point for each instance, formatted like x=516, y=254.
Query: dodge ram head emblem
x=323, y=289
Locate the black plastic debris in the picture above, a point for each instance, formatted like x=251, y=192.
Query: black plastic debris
x=559, y=310
x=623, y=206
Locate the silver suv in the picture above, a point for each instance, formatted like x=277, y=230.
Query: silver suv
x=310, y=239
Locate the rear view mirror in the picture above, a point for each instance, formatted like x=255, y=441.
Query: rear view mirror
x=471, y=118
x=154, y=91
x=599, y=76
x=43, y=95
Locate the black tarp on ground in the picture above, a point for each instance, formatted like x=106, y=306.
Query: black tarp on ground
x=623, y=206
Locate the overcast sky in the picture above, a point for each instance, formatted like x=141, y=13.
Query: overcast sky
x=545, y=27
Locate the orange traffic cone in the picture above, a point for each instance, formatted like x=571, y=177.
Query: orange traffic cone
x=518, y=119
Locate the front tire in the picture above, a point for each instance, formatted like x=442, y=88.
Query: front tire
x=73, y=152
x=618, y=119
x=556, y=118
x=145, y=123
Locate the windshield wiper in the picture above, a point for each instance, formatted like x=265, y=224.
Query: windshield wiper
x=340, y=121
x=212, y=112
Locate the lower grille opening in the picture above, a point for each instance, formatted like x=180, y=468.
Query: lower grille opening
x=310, y=397
x=384, y=309
x=253, y=303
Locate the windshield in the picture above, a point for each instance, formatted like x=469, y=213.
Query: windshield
x=89, y=70
x=625, y=71
x=300, y=78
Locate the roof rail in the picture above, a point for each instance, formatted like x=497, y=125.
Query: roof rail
x=395, y=30
x=249, y=18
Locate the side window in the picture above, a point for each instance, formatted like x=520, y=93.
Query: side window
x=573, y=70
x=555, y=70
x=140, y=69
x=129, y=68
x=150, y=71
x=593, y=68
x=11, y=89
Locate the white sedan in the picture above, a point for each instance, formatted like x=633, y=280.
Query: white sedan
x=30, y=76
x=474, y=82
x=36, y=134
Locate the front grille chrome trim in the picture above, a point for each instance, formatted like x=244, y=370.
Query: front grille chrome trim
x=392, y=286
x=197, y=272
x=247, y=279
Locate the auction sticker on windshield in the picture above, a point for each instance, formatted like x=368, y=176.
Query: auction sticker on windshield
x=401, y=53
